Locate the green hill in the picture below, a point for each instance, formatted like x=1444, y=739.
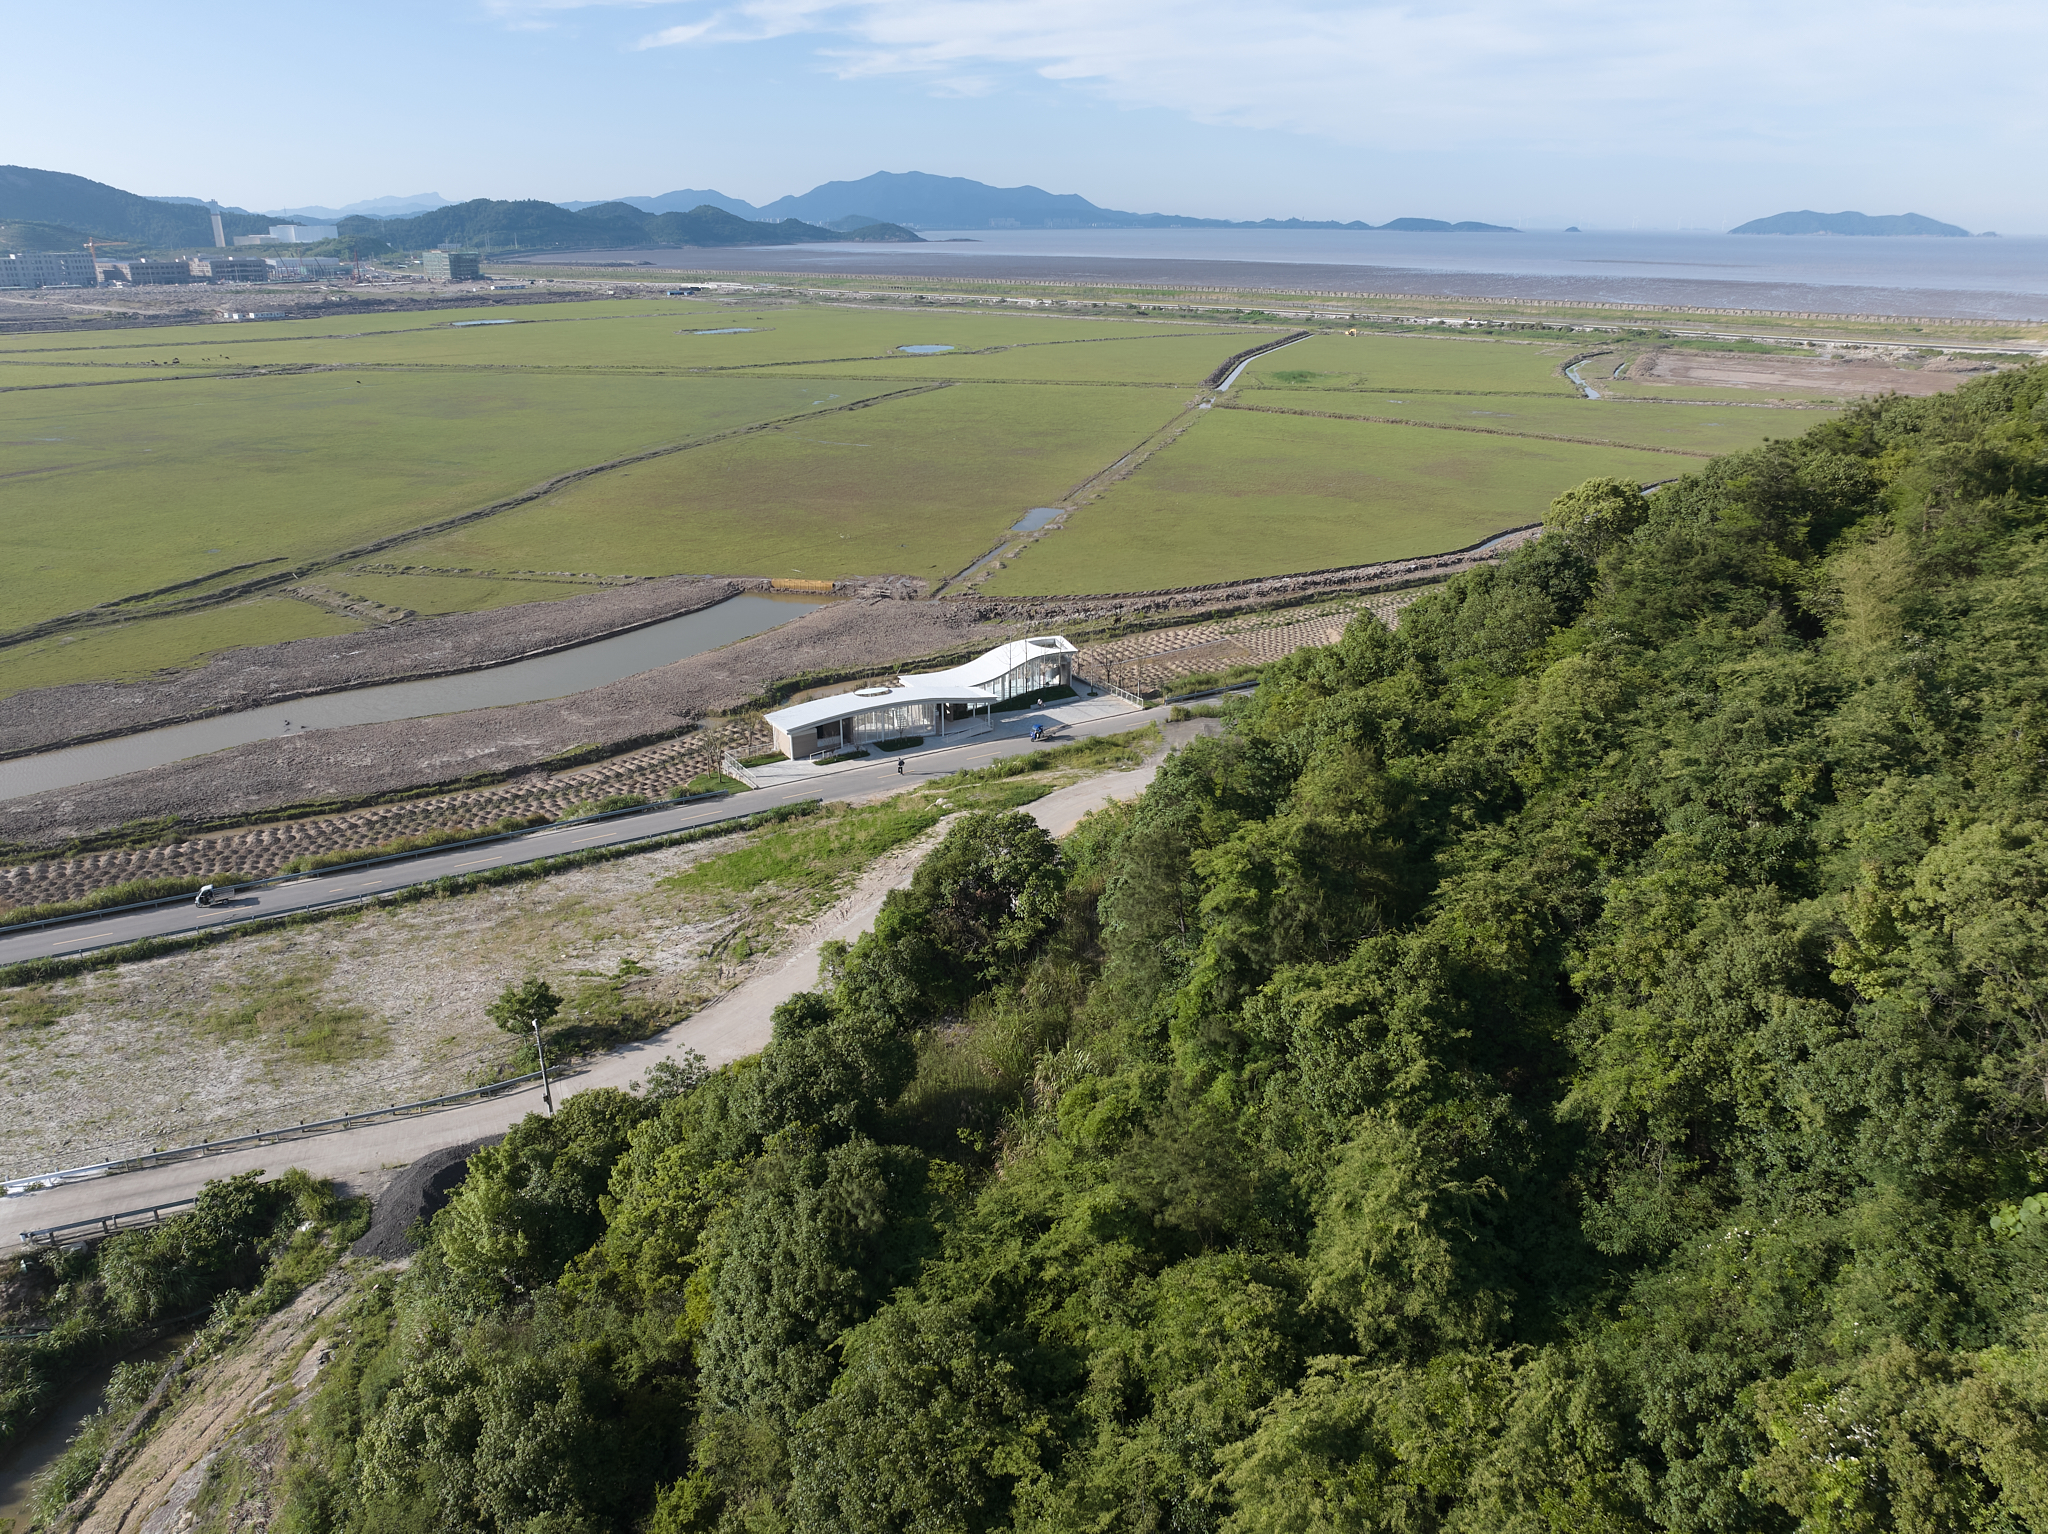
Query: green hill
x=1806, y=221
x=533, y=225
x=53, y=197
x=19, y=234
x=1571, y=1065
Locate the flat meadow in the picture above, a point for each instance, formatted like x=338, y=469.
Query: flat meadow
x=806, y=442
x=1694, y=429
x=1161, y=358
x=1248, y=493
x=1379, y=362
x=919, y=485
x=128, y=488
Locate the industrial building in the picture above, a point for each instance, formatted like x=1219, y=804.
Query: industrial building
x=48, y=269
x=302, y=268
x=156, y=272
x=932, y=703
x=290, y=234
x=452, y=265
x=231, y=268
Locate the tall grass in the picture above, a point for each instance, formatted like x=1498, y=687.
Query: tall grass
x=835, y=843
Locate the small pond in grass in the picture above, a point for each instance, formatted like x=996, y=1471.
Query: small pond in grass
x=924, y=351
x=730, y=330
x=1035, y=518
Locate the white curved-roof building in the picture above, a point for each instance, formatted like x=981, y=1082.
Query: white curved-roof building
x=957, y=701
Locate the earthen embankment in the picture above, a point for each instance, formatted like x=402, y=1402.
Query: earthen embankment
x=363, y=763
x=50, y=717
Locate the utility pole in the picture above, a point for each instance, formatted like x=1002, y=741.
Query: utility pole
x=547, y=1091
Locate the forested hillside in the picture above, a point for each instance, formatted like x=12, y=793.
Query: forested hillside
x=531, y=225
x=81, y=207
x=1576, y=1064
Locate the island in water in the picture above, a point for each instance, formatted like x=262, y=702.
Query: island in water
x=1806, y=221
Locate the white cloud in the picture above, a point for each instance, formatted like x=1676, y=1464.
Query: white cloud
x=1735, y=79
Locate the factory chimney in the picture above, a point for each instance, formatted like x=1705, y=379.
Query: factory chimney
x=220, y=238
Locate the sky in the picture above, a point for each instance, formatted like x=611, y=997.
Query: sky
x=1539, y=113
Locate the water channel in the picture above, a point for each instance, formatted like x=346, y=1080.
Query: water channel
x=525, y=681
x=42, y=1445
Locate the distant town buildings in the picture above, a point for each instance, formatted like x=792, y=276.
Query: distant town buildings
x=48, y=269
x=452, y=265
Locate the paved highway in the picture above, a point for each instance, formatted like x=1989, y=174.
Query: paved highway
x=734, y=1025
x=856, y=780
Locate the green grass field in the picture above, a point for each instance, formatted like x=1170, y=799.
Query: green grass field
x=619, y=334
x=1625, y=388
x=434, y=595
x=1150, y=359
x=207, y=455
x=1243, y=493
x=917, y=486
x=1678, y=428
x=57, y=373
x=1381, y=362
x=128, y=651
x=115, y=491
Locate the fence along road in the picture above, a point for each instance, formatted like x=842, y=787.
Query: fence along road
x=731, y=1027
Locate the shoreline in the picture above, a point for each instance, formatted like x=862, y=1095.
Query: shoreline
x=1330, y=279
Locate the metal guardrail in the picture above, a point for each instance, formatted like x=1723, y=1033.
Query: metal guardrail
x=104, y=1225
x=1115, y=691
x=303, y=875
x=17, y=1185
x=732, y=767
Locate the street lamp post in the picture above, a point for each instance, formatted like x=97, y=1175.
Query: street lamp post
x=547, y=1092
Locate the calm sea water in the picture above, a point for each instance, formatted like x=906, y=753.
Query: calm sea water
x=1951, y=265
x=1992, y=279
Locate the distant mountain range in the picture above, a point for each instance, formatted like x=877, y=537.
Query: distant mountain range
x=375, y=207
x=1807, y=221
x=916, y=200
x=491, y=225
x=44, y=209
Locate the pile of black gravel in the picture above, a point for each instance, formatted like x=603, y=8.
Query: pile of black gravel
x=414, y=1195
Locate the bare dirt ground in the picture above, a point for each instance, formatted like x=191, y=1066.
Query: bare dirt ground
x=385, y=1006
x=356, y=1012
x=1845, y=375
